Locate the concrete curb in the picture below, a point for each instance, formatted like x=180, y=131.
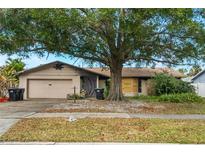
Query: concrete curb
x=80, y=143
x=80, y=115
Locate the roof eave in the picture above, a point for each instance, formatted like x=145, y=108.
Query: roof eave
x=44, y=65
x=197, y=75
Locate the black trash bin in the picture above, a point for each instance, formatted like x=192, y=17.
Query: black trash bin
x=99, y=93
x=21, y=92
x=16, y=94
x=13, y=94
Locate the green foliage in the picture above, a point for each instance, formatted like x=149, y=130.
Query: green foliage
x=107, y=88
x=183, y=70
x=74, y=96
x=165, y=84
x=16, y=64
x=11, y=68
x=145, y=98
x=181, y=98
x=194, y=70
x=140, y=35
x=172, y=98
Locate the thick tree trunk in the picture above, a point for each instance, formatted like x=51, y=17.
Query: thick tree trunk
x=115, y=93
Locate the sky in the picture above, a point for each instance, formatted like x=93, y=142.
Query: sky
x=36, y=61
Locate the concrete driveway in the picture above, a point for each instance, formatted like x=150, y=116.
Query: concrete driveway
x=11, y=112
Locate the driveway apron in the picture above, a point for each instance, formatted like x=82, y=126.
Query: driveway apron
x=12, y=112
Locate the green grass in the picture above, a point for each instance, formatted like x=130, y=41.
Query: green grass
x=145, y=98
x=107, y=130
x=171, y=98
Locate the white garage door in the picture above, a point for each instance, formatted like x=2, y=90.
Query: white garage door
x=201, y=89
x=49, y=88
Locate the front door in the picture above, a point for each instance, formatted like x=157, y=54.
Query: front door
x=89, y=85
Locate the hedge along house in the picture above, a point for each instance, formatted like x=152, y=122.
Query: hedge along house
x=136, y=81
x=57, y=80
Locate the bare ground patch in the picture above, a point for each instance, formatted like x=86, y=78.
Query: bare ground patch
x=105, y=106
x=132, y=106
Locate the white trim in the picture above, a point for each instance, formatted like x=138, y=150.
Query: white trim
x=97, y=82
x=198, y=74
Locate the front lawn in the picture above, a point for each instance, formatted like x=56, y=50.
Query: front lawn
x=107, y=130
x=135, y=105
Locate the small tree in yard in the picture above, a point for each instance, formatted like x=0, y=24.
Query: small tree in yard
x=10, y=70
x=8, y=75
x=111, y=37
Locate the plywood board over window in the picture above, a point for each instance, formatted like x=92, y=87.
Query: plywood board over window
x=129, y=86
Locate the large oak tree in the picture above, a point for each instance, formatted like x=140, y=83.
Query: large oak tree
x=112, y=37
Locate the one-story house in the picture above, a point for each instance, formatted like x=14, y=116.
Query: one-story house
x=58, y=79
x=199, y=83
x=136, y=81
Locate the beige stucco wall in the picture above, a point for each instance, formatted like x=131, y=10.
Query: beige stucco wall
x=102, y=84
x=144, y=87
x=52, y=73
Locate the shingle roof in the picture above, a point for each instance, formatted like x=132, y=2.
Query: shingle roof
x=53, y=63
x=126, y=72
x=139, y=72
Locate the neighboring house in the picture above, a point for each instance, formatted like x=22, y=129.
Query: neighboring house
x=57, y=79
x=198, y=81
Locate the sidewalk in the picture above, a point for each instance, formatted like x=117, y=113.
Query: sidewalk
x=118, y=115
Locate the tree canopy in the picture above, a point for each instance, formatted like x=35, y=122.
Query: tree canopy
x=111, y=37
x=194, y=70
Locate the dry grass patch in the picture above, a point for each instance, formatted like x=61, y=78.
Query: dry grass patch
x=180, y=108
x=107, y=130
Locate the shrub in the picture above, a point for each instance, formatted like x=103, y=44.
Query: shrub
x=165, y=84
x=74, y=96
x=145, y=98
x=151, y=88
x=107, y=88
x=181, y=98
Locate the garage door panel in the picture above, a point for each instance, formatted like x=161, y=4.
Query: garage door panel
x=49, y=88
